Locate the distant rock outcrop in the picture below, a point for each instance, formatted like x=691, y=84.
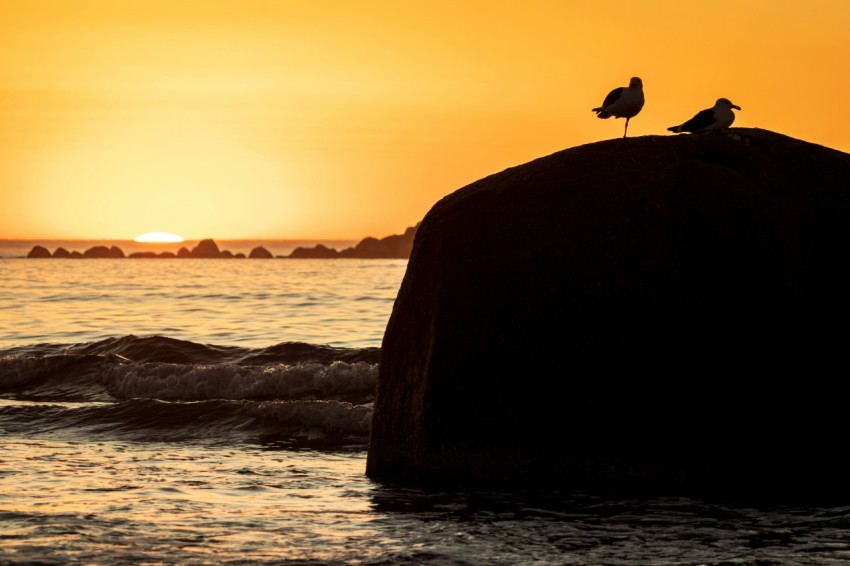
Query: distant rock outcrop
x=393, y=247
x=260, y=253
x=102, y=252
x=662, y=313
x=206, y=249
x=319, y=251
x=38, y=252
x=390, y=247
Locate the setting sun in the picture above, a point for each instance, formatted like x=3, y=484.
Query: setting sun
x=158, y=238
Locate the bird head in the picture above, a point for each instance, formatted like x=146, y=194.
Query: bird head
x=725, y=102
x=635, y=82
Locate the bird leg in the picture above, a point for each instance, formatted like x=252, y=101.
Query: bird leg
x=626, y=131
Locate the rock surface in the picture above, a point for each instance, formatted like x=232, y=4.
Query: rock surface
x=664, y=313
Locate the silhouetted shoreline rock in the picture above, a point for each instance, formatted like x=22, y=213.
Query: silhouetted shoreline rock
x=390, y=247
x=652, y=313
x=113, y=252
x=207, y=249
x=260, y=253
x=38, y=252
x=319, y=251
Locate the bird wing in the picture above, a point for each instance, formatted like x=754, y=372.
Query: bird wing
x=702, y=120
x=613, y=96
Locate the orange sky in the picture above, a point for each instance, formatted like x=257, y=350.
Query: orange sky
x=342, y=119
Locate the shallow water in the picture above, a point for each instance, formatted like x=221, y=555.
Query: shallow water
x=232, y=302
x=129, y=503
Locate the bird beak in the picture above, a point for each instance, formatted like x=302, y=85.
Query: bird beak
x=736, y=107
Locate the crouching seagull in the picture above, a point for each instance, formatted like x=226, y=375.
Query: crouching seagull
x=623, y=102
x=721, y=116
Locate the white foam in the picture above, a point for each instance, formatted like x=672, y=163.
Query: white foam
x=338, y=380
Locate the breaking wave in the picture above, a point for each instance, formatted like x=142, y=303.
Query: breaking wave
x=159, y=388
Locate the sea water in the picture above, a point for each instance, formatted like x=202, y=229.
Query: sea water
x=218, y=411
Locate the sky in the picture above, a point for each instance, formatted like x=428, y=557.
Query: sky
x=346, y=119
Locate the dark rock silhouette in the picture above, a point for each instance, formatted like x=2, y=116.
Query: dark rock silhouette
x=102, y=252
x=661, y=313
x=205, y=249
x=260, y=253
x=76, y=255
x=38, y=252
x=369, y=248
x=390, y=247
x=319, y=251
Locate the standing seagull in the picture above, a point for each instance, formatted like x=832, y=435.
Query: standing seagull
x=721, y=116
x=623, y=102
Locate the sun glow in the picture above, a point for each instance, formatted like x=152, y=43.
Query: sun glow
x=158, y=238
x=253, y=119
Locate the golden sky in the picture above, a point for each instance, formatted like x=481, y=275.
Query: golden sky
x=347, y=118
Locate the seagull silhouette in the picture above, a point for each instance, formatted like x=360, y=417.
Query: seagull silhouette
x=720, y=116
x=623, y=102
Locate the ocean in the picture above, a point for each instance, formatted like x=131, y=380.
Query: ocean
x=218, y=412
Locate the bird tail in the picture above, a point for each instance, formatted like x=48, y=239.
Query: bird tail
x=600, y=113
x=675, y=129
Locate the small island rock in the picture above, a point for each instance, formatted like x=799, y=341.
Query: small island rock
x=38, y=252
x=102, y=252
x=260, y=253
x=206, y=249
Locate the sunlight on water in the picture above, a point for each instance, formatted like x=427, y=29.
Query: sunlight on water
x=177, y=503
x=245, y=303
x=184, y=503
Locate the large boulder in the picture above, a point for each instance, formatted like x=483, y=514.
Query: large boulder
x=654, y=312
x=61, y=252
